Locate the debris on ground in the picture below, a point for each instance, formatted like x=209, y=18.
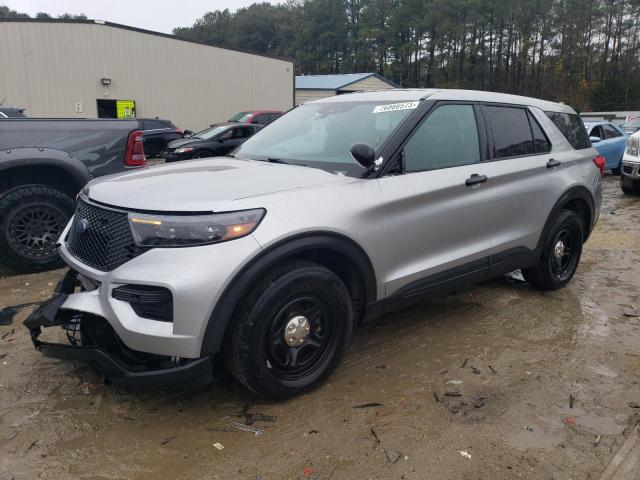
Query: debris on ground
x=241, y=426
x=250, y=418
x=569, y=421
x=453, y=393
x=572, y=401
x=312, y=431
x=631, y=404
x=392, y=455
x=376, y=439
x=168, y=439
x=465, y=454
x=632, y=312
x=7, y=313
x=493, y=370
x=369, y=405
x=436, y=397
x=3, y=355
x=219, y=446
x=475, y=370
x=7, y=333
x=479, y=402
x=454, y=382
x=380, y=367
x=596, y=442
x=528, y=428
x=464, y=364
x=307, y=471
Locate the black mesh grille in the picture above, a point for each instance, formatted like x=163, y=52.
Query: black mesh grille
x=101, y=238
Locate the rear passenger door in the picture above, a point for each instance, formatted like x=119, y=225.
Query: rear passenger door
x=435, y=208
x=524, y=177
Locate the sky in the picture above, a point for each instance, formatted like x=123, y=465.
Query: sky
x=157, y=15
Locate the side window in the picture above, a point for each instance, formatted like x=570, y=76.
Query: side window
x=597, y=132
x=512, y=135
x=572, y=128
x=448, y=137
x=610, y=132
x=540, y=140
x=262, y=119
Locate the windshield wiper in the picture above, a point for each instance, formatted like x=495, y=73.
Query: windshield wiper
x=276, y=160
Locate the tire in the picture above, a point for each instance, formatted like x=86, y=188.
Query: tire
x=629, y=186
x=32, y=217
x=558, y=262
x=256, y=350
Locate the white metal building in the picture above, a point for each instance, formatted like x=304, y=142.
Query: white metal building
x=310, y=87
x=90, y=68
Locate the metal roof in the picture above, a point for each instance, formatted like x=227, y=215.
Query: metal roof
x=334, y=82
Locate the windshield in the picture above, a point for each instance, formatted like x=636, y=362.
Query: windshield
x=318, y=133
x=211, y=132
x=634, y=123
x=240, y=117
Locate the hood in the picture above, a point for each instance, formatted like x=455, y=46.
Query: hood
x=203, y=185
x=182, y=142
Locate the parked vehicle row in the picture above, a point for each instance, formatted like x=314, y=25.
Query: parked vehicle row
x=610, y=141
x=344, y=208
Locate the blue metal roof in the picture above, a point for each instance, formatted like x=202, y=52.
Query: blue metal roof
x=334, y=82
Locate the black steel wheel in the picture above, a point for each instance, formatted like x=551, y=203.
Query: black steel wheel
x=290, y=332
x=32, y=218
x=560, y=255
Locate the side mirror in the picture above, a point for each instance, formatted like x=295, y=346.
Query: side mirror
x=364, y=154
x=188, y=133
x=595, y=139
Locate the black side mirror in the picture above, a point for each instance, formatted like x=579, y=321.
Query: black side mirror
x=364, y=154
x=187, y=133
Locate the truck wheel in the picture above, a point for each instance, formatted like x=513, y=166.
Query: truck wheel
x=560, y=256
x=628, y=185
x=32, y=217
x=290, y=332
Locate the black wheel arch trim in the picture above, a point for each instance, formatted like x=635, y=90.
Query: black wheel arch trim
x=46, y=157
x=573, y=193
x=269, y=258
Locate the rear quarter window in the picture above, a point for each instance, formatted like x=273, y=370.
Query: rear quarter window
x=572, y=128
x=512, y=136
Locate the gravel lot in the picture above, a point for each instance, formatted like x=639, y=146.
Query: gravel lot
x=548, y=383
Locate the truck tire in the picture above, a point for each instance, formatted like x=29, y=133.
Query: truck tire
x=629, y=186
x=290, y=331
x=32, y=217
x=560, y=256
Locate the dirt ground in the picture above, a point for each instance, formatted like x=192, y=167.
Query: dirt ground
x=548, y=383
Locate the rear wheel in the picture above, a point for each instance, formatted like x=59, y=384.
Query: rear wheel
x=32, y=217
x=629, y=186
x=560, y=256
x=290, y=332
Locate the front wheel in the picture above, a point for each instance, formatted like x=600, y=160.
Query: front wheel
x=290, y=332
x=560, y=256
x=32, y=217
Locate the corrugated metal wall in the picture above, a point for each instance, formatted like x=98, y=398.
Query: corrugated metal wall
x=371, y=83
x=50, y=67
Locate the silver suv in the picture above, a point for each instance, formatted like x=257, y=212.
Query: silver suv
x=339, y=210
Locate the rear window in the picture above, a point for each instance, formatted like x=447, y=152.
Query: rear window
x=512, y=135
x=572, y=128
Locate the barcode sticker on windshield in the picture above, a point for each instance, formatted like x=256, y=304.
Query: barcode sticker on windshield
x=392, y=107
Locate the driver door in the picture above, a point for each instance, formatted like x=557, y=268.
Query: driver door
x=435, y=212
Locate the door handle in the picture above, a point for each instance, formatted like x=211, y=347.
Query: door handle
x=475, y=179
x=552, y=163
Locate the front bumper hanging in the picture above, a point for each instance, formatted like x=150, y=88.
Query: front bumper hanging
x=49, y=314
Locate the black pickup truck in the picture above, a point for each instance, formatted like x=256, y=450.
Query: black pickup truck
x=44, y=163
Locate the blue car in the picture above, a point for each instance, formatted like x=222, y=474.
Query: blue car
x=610, y=141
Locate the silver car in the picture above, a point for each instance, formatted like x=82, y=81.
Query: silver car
x=630, y=171
x=340, y=210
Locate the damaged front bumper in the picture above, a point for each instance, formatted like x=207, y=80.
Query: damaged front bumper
x=100, y=346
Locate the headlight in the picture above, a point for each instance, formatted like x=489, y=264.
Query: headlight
x=190, y=230
x=632, y=147
x=184, y=149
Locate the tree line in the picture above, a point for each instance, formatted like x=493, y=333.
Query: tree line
x=581, y=52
